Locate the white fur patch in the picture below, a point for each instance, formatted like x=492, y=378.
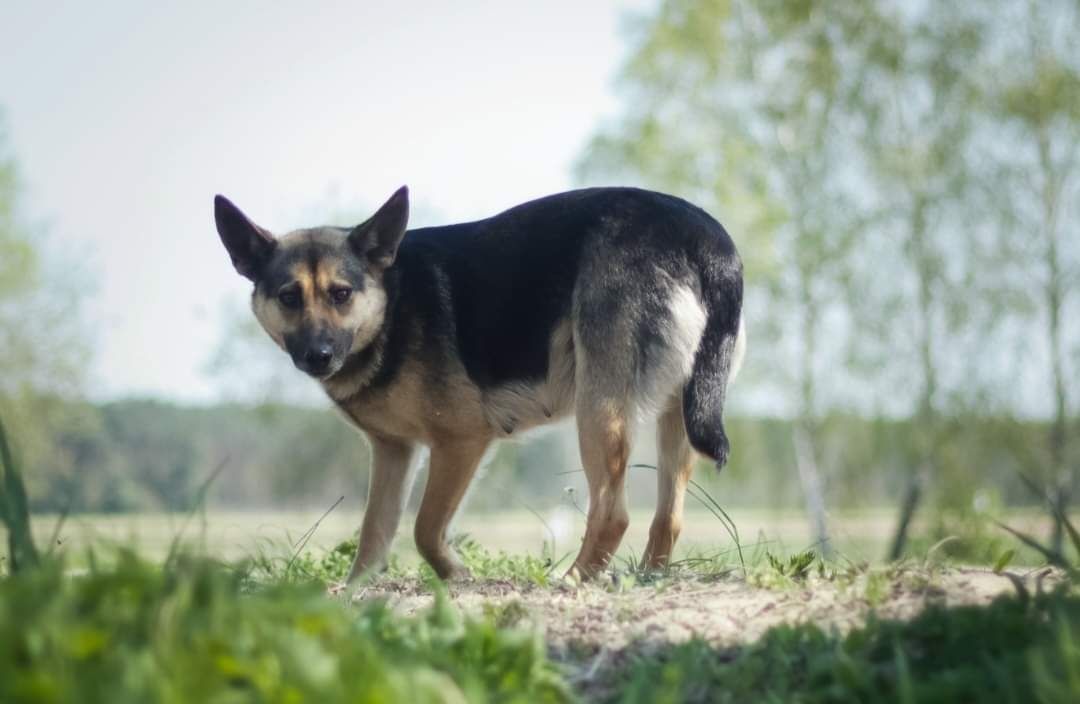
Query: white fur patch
x=686, y=325
x=739, y=353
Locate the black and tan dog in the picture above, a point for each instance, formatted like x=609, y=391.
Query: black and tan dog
x=604, y=303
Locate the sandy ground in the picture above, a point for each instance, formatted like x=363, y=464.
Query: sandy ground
x=593, y=629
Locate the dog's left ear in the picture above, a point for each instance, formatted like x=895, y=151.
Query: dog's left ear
x=378, y=238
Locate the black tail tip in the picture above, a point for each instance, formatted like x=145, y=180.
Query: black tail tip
x=722, y=455
x=716, y=447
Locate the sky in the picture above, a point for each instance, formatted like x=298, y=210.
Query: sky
x=127, y=117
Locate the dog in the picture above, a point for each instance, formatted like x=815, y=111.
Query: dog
x=604, y=303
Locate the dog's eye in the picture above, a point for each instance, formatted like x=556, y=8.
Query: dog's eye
x=341, y=295
x=289, y=299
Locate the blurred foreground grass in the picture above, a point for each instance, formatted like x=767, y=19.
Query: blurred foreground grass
x=194, y=629
x=199, y=631
x=187, y=628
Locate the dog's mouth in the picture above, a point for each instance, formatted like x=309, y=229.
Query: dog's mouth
x=318, y=371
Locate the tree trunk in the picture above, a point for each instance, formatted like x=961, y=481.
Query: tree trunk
x=913, y=494
x=810, y=479
x=1062, y=479
x=806, y=434
x=926, y=422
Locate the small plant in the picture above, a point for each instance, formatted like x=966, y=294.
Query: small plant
x=877, y=587
x=797, y=566
x=522, y=569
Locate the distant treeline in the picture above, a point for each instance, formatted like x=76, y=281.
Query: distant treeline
x=149, y=455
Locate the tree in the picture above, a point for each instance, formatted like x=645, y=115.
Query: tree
x=1034, y=103
x=43, y=342
x=918, y=99
x=745, y=108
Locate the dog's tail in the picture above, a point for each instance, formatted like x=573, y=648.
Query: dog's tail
x=718, y=359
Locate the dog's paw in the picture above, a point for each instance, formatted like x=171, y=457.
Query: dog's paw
x=574, y=578
x=457, y=574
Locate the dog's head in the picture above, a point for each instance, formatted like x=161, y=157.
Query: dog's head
x=318, y=292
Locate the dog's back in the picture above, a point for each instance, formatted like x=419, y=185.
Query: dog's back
x=631, y=274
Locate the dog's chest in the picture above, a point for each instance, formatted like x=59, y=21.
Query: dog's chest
x=414, y=409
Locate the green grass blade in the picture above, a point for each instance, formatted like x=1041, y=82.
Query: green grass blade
x=1070, y=529
x=199, y=504
x=14, y=509
x=1052, y=556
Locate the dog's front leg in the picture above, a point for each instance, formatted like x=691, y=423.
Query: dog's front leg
x=391, y=478
x=453, y=464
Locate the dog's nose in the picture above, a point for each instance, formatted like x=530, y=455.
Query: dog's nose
x=318, y=358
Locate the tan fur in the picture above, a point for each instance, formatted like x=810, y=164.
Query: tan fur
x=673, y=474
x=604, y=437
x=391, y=479
x=453, y=463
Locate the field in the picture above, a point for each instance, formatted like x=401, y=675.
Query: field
x=858, y=536
x=780, y=624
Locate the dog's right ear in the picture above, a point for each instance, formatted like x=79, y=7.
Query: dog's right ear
x=249, y=245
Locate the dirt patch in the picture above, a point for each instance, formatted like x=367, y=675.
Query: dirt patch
x=595, y=627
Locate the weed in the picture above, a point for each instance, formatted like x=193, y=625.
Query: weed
x=781, y=574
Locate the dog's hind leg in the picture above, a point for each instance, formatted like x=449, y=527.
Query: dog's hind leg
x=676, y=463
x=604, y=436
x=391, y=478
x=453, y=464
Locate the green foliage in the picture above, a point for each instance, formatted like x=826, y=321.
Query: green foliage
x=43, y=337
x=796, y=567
x=133, y=632
x=146, y=455
x=150, y=455
x=330, y=568
x=14, y=509
x=522, y=569
x=1013, y=650
x=18, y=258
x=333, y=565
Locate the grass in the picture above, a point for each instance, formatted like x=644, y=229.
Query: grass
x=195, y=630
x=121, y=629
x=1015, y=650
